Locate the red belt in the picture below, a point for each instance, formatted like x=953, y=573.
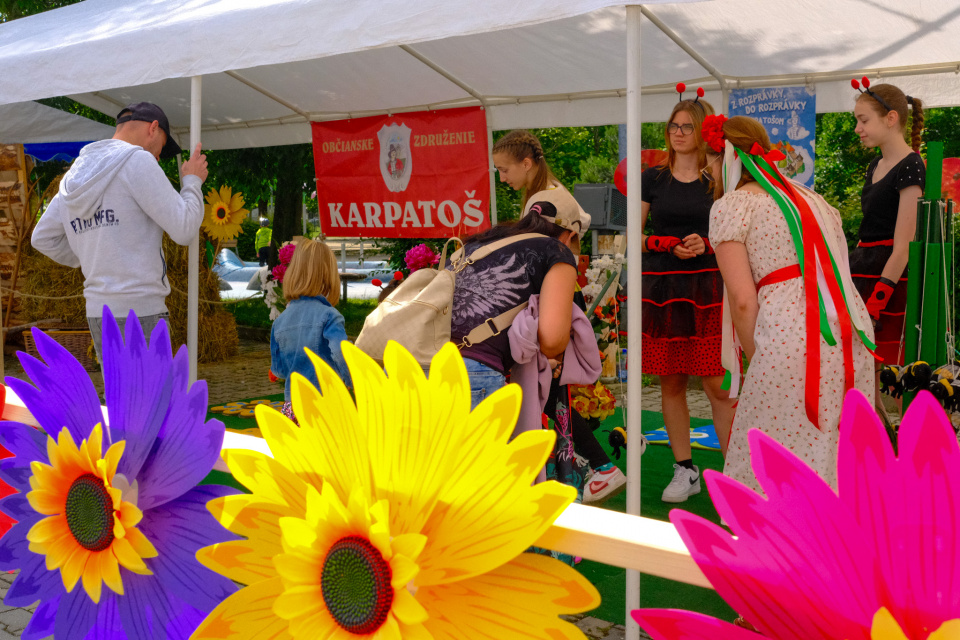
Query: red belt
x=780, y=275
x=876, y=243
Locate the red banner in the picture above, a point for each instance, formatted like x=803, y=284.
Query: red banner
x=414, y=175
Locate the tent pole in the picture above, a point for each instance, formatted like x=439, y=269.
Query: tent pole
x=493, y=172
x=634, y=364
x=193, y=257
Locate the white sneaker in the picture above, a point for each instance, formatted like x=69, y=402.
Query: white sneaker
x=603, y=485
x=685, y=483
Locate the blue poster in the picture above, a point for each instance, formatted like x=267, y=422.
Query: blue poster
x=789, y=115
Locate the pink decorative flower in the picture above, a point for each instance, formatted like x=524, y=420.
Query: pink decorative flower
x=420, y=257
x=278, y=272
x=286, y=253
x=808, y=563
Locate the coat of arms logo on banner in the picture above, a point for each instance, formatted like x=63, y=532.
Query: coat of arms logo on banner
x=396, y=165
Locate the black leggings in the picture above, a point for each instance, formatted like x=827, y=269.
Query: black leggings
x=584, y=441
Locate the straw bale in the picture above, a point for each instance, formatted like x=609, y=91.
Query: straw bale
x=217, y=329
x=217, y=335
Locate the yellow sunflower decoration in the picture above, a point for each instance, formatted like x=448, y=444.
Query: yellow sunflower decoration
x=403, y=515
x=90, y=529
x=224, y=213
x=885, y=627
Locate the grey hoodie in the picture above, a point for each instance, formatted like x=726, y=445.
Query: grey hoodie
x=108, y=219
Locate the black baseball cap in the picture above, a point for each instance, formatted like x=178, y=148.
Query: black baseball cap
x=148, y=112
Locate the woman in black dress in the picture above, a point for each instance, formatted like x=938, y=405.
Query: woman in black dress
x=683, y=290
x=889, y=201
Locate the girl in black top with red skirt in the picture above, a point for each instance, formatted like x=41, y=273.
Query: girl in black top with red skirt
x=683, y=290
x=889, y=201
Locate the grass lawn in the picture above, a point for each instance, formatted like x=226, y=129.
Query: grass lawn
x=254, y=313
x=354, y=313
x=251, y=312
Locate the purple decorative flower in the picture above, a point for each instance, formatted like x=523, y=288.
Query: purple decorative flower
x=157, y=449
x=286, y=253
x=420, y=257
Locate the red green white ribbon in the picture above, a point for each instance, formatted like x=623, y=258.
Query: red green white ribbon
x=825, y=285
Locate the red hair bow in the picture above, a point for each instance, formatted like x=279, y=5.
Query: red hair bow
x=775, y=155
x=772, y=156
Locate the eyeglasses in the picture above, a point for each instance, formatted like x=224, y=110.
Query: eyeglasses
x=684, y=129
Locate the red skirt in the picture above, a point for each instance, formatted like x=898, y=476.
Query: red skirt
x=682, y=311
x=866, y=265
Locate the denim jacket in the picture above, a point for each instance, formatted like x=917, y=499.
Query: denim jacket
x=308, y=322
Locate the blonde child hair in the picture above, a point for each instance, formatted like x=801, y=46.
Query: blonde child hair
x=312, y=272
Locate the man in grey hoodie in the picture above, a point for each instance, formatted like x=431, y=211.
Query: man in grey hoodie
x=109, y=216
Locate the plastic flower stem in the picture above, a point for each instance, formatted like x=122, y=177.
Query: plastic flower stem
x=596, y=302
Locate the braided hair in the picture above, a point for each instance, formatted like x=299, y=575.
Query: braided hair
x=898, y=101
x=519, y=145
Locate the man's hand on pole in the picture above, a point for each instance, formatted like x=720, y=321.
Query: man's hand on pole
x=196, y=165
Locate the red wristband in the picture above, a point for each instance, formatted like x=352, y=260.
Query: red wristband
x=662, y=244
x=882, y=292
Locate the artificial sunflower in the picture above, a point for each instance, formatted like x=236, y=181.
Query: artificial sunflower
x=90, y=530
x=224, y=213
x=885, y=627
x=403, y=515
x=122, y=508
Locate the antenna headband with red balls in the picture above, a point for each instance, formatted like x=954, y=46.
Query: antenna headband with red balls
x=865, y=81
x=681, y=87
x=377, y=282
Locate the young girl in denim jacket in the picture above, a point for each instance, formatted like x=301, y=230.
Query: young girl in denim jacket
x=311, y=286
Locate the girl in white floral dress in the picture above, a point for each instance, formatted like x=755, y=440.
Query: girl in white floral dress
x=791, y=393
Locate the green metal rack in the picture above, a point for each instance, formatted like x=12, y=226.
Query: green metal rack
x=931, y=285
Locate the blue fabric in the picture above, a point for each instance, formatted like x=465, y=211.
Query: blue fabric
x=46, y=151
x=311, y=323
x=484, y=380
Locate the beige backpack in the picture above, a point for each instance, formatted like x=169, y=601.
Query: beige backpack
x=417, y=313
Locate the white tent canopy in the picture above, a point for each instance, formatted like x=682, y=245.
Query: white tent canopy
x=270, y=66
x=35, y=123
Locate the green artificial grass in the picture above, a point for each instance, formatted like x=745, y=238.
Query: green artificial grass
x=223, y=478
x=656, y=471
x=234, y=422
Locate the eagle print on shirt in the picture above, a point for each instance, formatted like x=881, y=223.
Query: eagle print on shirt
x=486, y=293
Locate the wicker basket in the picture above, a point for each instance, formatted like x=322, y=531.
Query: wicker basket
x=76, y=340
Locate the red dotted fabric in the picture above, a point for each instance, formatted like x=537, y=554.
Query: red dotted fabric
x=682, y=315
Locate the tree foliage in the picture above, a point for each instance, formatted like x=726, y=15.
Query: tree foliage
x=13, y=9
